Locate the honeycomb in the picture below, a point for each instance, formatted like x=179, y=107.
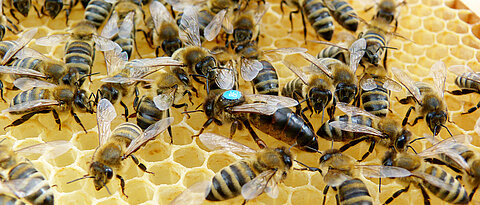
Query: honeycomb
x=439, y=30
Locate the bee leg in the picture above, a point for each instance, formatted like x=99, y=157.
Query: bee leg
x=305, y=118
x=122, y=184
x=405, y=120
x=281, y=6
x=385, y=59
x=439, y=162
x=126, y=110
x=416, y=121
x=205, y=125
x=36, y=10
x=24, y=118
x=169, y=128
x=254, y=135
x=1, y=91
x=57, y=119
x=336, y=196
x=184, y=105
x=140, y=165
x=187, y=92
x=473, y=192
x=233, y=128
x=426, y=198
x=13, y=25
x=12, y=12
x=472, y=109
x=352, y=143
x=325, y=191
x=77, y=120
x=370, y=150
x=290, y=17
x=406, y=100
x=461, y=92
x=157, y=51
x=397, y=194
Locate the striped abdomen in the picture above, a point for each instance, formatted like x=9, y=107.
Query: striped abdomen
x=205, y=16
x=335, y=52
x=286, y=126
x=295, y=85
x=147, y=112
x=9, y=200
x=126, y=132
x=228, y=182
x=354, y=192
x=319, y=17
x=30, y=95
x=462, y=81
x=79, y=56
x=376, y=43
x=376, y=101
x=41, y=193
x=456, y=195
x=345, y=15
x=30, y=63
x=5, y=46
x=330, y=133
x=266, y=82
x=125, y=43
x=97, y=12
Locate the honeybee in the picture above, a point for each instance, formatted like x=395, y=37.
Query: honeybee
x=21, y=180
x=79, y=48
x=376, y=37
x=21, y=6
x=52, y=8
x=97, y=11
x=425, y=175
x=39, y=97
x=343, y=13
x=429, y=100
x=388, y=10
x=117, y=145
x=359, y=125
x=468, y=81
x=260, y=171
x=339, y=51
x=3, y=24
x=246, y=25
x=266, y=82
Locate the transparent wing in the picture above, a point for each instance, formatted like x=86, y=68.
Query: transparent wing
x=329, y=44
x=213, y=28
x=48, y=150
x=52, y=40
x=296, y=70
x=392, y=85
x=447, y=147
x=30, y=105
x=115, y=60
x=29, y=52
x=190, y=27
x=463, y=69
x=317, y=64
x=180, y=5
x=160, y=14
x=218, y=142
x=21, y=71
x=104, y=44
x=249, y=68
x=335, y=178
x=194, y=195
x=154, y=62
x=125, y=80
x=127, y=26
x=225, y=78
x=408, y=83
x=29, y=83
x=351, y=127
x=357, y=49
x=273, y=100
x=151, y=132
x=353, y=110
x=439, y=74
x=259, y=108
x=260, y=12
x=165, y=100
x=227, y=24
x=379, y=171
x=21, y=42
x=272, y=187
x=435, y=181
x=368, y=83
x=257, y=185
x=111, y=27
x=105, y=115
x=21, y=187
x=287, y=51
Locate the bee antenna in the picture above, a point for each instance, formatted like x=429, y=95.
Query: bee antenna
x=448, y=130
x=315, y=150
x=2, y=140
x=408, y=146
x=191, y=111
x=420, y=138
x=84, y=177
x=313, y=169
x=198, y=106
x=294, y=144
x=106, y=187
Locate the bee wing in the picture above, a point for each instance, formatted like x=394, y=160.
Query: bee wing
x=104, y=44
x=249, y=68
x=296, y=70
x=21, y=42
x=52, y=39
x=317, y=64
x=328, y=43
x=379, y=171
x=335, y=178
x=435, y=181
x=49, y=150
x=127, y=26
x=213, y=28
x=461, y=69
x=218, y=142
x=368, y=83
x=164, y=100
x=29, y=52
x=259, y=108
x=257, y=185
x=151, y=132
x=154, y=62
x=29, y=83
x=189, y=26
x=272, y=187
x=357, y=49
x=447, y=148
x=115, y=60
x=125, y=80
x=21, y=71
x=105, y=115
x=30, y=105
x=21, y=188
x=194, y=195
x=111, y=27
x=260, y=12
x=353, y=110
x=352, y=127
x=227, y=24
x=392, y=85
x=225, y=78
x=273, y=100
x=408, y=83
x=160, y=14
x=269, y=54
x=439, y=74
x=181, y=5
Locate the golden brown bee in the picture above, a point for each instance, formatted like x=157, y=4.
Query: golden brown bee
x=4, y=21
x=19, y=179
x=117, y=145
x=260, y=171
x=343, y=13
x=468, y=81
x=429, y=101
x=97, y=11
x=246, y=25
x=388, y=10
x=21, y=6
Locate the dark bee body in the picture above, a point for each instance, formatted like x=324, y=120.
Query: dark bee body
x=345, y=15
x=123, y=7
x=377, y=100
x=333, y=134
x=147, y=112
x=166, y=37
x=266, y=82
x=376, y=42
x=55, y=71
x=228, y=182
x=9, y=200
x=467, y=86
x=97, y=11
x=21, y=6
x=197, y=60
x=344, y=80
x=335, y=52
x=354, y=191
x=319, y=17
x=30, y=95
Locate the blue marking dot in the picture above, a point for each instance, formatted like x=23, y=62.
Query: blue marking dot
x=232, y=94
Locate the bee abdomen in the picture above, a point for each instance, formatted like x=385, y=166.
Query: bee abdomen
x=43, y=194
x=319, y=18
x=345, y=15
x=266, y=82
x=330, y=133
x=228, y=182
x=97, y=11
x=126, y=132
x=148, y=113
x=5, y=46
x=29, y=63
x=30, y=95
x=376, y=101
x=463, y=81
x=79, y=56
x=455, y=195
x=354, y=192
x=292, y=86
x=9, y=200
x=334, y=52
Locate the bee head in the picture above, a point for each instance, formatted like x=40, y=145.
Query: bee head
x=53, y=7
x=102, y=174
x=169, y=47
x=22, y=6
x=205, y=65
x=372, y=56
x=436, y=120
x=346, y=92
x=319, y=98
x=82, y=101
x=286, y=156
x=403, y=140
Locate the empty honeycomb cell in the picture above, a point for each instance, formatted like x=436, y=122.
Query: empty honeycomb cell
x=404, y=57
x=285, y=42
x=432, y=2
x=65, y=159
x=21, y=132
x=457, y=26
x=189, y=157
x=424, y=38
x=217, y=161
x=111, y=201
x=430, y=23
x=306, y=195
x=462, y=52
x=297, y=178
x=471, y=42
x=165, y=173
x=138, y=191
x=410, y=22
x=155, y=151
x=85, y=159
x=196, y=175
x=447, y=38
x=455, y=61
x=445, y=13
x=316, y=180
x=412, y=49
x=77, y=197
x=468, y=16
x=421, y=11
x=455, y=4
x=181, y=136
x=437, y=52
x=86, y=141
x=67, y=174
x=423, y=61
